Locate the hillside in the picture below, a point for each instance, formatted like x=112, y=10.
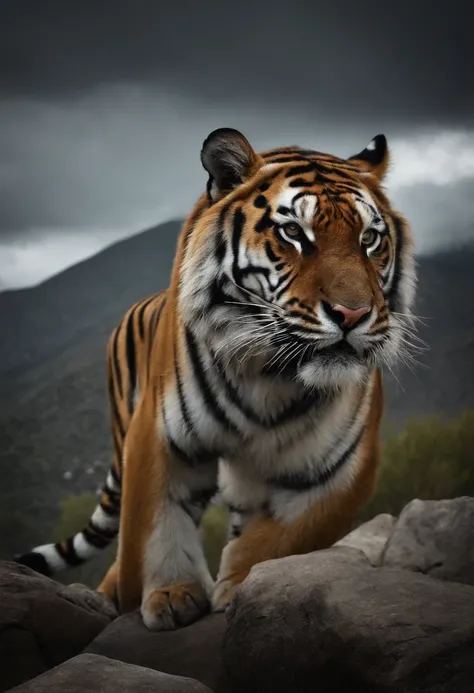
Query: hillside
x=37, y=323
x=54, y=437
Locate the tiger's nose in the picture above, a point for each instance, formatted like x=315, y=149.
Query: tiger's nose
x=344, y=316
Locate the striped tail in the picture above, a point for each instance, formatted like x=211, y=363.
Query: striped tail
x=99, y=533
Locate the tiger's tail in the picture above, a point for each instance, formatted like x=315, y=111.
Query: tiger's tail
x=97, y=535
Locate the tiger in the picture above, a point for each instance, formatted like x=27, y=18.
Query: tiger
x=254, y=377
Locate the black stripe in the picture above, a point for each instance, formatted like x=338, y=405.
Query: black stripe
x=70, y=555
x=235, y=509
x=117, y=446
x=302, y=193
x=113, y=496
x=393, y=293
x=141, y=316
x=198, y=502
x=105, y=532
x=114, y=475
x=96, y=540
x=334, y=168
x=116, y=362
x=282, y=279
x=304, y=482
x=295, y=300
x=255, y=269
x=197, y=457
x=115, y=412
x=217, y=295
x=189, y=460
x=131, y=359
x=291, y=150
x=300, y=183
x=285, y=287
x=200, y=455
x=303, y=316
x=183, y=405
x=295, y=410
x=221, y=243
x=110, y=511
x=203, y=496
x=265, y=222
x=297, y=156
x=308, y=167
x=210, y=401
x=269, y=251
x=155, y=319
x=193, y=511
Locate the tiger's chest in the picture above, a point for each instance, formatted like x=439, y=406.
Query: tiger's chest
x=262, y=426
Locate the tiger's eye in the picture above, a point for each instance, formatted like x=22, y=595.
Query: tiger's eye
x=369, y=237
x=292, y=229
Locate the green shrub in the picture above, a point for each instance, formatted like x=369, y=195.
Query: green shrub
x=430, y=459
x=214, y=535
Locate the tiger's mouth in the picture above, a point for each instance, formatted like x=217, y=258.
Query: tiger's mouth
x=340, y=353
x=338, y=349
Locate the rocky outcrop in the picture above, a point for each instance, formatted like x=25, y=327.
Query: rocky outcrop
x=193, y=651
x=389, y=608
x=331, y=621
x=89, y=673
x=44, y=623
x=435, y=538
x=371, y=537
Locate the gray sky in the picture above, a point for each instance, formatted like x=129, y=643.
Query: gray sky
x=104, y=106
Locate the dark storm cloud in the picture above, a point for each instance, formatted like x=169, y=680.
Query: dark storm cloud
x=104, y=106
x=395, y=61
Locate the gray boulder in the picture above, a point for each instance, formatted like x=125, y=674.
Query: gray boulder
x=43, y=623
x=193, y=651
x=371, y=537
x=329, y=621
x=90, y=673
x=435, y=538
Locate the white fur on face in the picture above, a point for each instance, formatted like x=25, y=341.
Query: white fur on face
x=301, y=211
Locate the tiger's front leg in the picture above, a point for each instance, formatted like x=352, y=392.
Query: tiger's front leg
x=262, y=536
x=162, y=567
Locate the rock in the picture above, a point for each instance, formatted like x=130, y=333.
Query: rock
x=193, y=651
x=43, y=623
x=91, y=599
x=89, y=673
x=435, y=538
x=371, y=537
x=329, y=621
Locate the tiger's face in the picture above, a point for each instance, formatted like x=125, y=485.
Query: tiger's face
x=298, y=263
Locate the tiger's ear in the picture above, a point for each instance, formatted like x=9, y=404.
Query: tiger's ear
x=374, y=159
x=229, y=160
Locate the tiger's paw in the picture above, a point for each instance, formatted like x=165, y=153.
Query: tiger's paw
x=224, y=592
x=174, y=606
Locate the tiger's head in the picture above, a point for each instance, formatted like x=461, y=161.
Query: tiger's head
x=294, y=261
